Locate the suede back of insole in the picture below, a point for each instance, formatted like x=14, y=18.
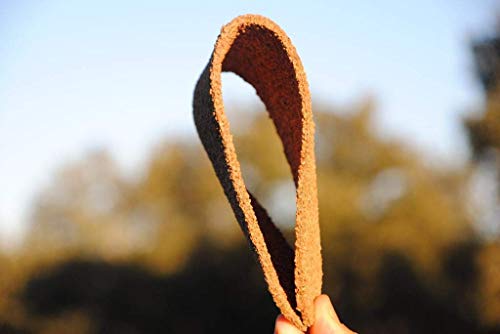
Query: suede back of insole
x=260, y=52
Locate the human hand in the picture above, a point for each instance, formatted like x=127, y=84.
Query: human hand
x=326, y=322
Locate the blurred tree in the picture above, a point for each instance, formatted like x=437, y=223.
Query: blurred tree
x=377, y=198
x=158, y=217
x=484, y=136
x=80, y=203
x=161, y=251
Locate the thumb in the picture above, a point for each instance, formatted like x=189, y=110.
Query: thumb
x=283, y=326
x=327, y=321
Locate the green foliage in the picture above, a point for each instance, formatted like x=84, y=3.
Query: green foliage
x=385, y=217
x=161, y=251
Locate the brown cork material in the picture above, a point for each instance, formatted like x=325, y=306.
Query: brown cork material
x=257, y=50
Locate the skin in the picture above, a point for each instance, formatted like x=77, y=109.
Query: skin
x=327, y=321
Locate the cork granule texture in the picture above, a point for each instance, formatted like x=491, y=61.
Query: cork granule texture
x=259, y=51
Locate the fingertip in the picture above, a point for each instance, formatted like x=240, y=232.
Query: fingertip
x=327, y=320
x=280, y=319
x=283, y=326
x=323, y=306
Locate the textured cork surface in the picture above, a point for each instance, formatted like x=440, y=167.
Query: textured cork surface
x=260, y=52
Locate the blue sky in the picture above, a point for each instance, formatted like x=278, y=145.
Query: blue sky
x=77, y=75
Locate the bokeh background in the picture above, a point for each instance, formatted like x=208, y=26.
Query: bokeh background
x=112, y=220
